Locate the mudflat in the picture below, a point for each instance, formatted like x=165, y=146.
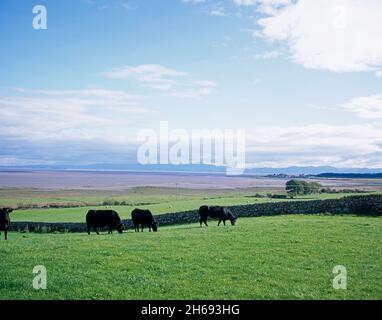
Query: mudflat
x=119, y=180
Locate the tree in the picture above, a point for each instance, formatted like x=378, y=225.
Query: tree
x=305, y=188
x=294, y=187
x=299, y=187
x=315, y=187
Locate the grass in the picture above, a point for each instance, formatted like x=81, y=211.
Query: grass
x=29, y=197
x=78, y=214
x=284, y=257
x=159, y=201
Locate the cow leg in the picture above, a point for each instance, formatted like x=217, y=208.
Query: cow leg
x=149, y=228
x=88, y=227
x=220, y=220
x=224, y=222
x=143, y=226
x=205, y=222
x=5, y=233
x=96, y=230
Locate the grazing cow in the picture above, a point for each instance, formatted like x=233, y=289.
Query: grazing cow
x=143, y=218
x=221, y=213
x=5, y=221
x=103, y=218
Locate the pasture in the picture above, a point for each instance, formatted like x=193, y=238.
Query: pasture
x=158, y=200
x=283, y=257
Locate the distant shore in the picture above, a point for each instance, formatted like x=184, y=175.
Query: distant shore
x=119, y=180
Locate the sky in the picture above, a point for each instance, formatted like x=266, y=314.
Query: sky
x=303, y=78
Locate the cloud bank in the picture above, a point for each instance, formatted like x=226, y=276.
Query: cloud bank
x=97, y=125
x=339, y=36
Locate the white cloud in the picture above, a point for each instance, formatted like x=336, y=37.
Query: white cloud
x=218, y=11
x=69, y=115
x=369, y=107
x=94, y=96
x=173, y=82
x=215, y=10
x=265, y=6
x=244, y=2
x=317, y=145
x=199, y=90
x=16, y=161
x=195, y=89
x=111, y=5
x=193, y=1
x=261, y=2
x=57, y=124
x=253, y=2
x=269, y=55
x=156, y=76
x=340, y=36
x=205, y=83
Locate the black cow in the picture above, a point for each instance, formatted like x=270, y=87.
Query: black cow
x=221, y=213
x=5, y=221
x=103, y=218
x=143, y=218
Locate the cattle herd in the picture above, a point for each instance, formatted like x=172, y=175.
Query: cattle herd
x=99, y=219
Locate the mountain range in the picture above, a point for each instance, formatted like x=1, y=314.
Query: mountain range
x=292, y=170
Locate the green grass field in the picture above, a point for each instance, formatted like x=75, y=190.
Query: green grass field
x=159, y=201
x=284, y=257
x=134, y=196
x=78, y=214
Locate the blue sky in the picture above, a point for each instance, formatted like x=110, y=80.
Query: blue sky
x=303, y=79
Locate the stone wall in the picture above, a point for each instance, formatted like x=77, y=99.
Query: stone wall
x=368, y=205
x=45, y=227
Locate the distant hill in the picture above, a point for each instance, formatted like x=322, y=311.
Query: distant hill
x=351, y=175
x=287, y=171
x=311, y=170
